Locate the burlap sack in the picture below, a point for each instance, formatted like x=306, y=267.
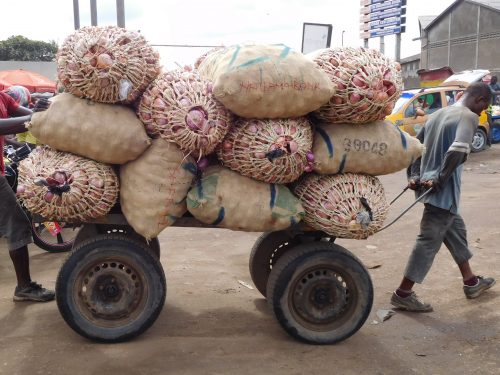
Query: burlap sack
x=344, y=205
x=266, y=81
x=65, y=187
x=103, y=132
x=226, y=199
x=154, y=187
x=376, y=148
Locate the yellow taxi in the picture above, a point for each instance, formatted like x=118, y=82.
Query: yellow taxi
x=414, y=106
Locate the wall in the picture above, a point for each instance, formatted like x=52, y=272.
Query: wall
x=468, y=37
x=47, y=69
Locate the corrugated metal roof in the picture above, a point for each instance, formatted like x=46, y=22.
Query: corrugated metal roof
x=492, y=4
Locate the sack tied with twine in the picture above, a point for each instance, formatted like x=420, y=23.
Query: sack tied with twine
x=106, y=64
x=179, y=106
x=65, y=187
x=271, y=150
x=343, y=205
x=367, y=84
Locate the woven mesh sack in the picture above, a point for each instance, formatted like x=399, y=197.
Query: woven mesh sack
x=106, y=64
x=62, y=186
x=344, y=205
x=273, y=150
x=179, y=107
x=368, y=84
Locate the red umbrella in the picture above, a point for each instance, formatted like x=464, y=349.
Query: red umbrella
x=4, y=85
x=32, y=81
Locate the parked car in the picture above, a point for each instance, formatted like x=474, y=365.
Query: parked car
x=414, y=106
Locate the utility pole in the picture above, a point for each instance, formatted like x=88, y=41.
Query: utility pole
x=93, y=12
x=120, y=13
x=343, y=31
x=76, y=14
x=397, y=54
x=382, y=45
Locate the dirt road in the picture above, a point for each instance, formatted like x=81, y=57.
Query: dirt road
x=212, y=324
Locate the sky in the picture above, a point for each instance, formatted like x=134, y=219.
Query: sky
x=212, y=22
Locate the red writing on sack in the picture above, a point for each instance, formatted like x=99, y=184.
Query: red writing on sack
x=275, y=86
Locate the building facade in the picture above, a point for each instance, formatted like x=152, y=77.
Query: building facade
x=465, y=36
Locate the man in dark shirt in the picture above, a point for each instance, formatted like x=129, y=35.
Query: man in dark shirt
x=13, y=221
x=447, y=136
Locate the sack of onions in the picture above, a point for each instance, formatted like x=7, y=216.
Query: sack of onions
x=376, y=148
x=367, y=84
x=66, y=187
x=154, y=187
x=106, y=64
x=343, y=205
x=106, y=133
x=200, y=59
x=271, y=150
x=266, y=81
x=226, y=199
x=179, y=106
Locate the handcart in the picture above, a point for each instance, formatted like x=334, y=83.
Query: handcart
x=112, y=286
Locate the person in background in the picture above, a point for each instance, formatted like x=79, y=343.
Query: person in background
x=495, y=90
x=447, y=136
x=14, y=223
x=23, y=98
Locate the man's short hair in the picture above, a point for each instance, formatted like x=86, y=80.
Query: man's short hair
x=477, y=89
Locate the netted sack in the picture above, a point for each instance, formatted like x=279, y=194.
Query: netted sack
x=66, y=187
x=200, y=59
x=272, y=150
x=343, y=205
x=103, y=132
x=106, y=64
x=376, y=148
x=154, y=187
x=226, y=199
x=179, y=106
x=367, y=84
x=266, y=81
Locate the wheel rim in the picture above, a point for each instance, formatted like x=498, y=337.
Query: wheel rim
x=322, y=298
x=478, y=141
x=64, y=238
x=112, y=292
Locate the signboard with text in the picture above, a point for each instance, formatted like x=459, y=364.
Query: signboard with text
x=382, y=17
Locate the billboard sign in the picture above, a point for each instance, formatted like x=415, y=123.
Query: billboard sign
x=316, y=36
x=382, y=17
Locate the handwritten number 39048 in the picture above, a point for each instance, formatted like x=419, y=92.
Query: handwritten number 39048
x=379, y=148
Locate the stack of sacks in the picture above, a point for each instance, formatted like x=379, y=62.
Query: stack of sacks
x=87, y=128
x=352, y=144
x=270, y=89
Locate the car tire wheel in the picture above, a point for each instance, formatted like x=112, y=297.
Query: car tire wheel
x=479, y=141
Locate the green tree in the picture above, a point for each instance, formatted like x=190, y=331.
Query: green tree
x=19, y=48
